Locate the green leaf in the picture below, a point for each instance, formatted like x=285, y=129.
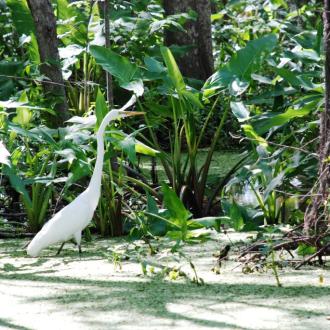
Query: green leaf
x=34, y=50
x=294, y=79
x=153, y=65
x=151, y=204
x=255, y=138
x=6, y=84
x=72, y=23
x=209, y=222
x=157, y=226
x=21, y=16
x=101, y=108
x=128, y=146
x=304, y=249
x=178, y=213
x=24, y=114
x=265, y=122
x=238, y=87
x=18, y=184
x=275, y=182
x=237, y=72
x=173, y=69
x=143, y=149
x=240, y=111
x=119, y=66
x=236, y=216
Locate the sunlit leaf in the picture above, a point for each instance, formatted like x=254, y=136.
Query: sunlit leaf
x=236, y=74
x=173, y=69
x=240, y=111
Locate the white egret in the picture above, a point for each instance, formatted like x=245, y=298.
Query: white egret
x=69, y=222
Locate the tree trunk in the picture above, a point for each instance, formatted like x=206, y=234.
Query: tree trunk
x=317, y=215
x=107, y=45
x=45, y=25
x=197, y=62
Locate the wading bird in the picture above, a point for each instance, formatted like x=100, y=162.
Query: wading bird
x=69, y=222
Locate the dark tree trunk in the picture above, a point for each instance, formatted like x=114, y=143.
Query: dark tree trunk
x=316, y=216
x=108, y=45
x=45, y=25
x=197, y=62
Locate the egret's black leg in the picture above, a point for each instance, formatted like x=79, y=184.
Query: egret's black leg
x=60, y=249
x=79, y=249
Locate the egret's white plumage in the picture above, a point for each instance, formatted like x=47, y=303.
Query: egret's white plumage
x=73, y=218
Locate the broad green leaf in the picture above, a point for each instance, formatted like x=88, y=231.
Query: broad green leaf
x=304, y=54
x=117, y=65
x=153, y=65
x=21, y=16
x=157, y=226
x=236, y=216
x=240, y=111
x=176, y=209
x=269, y=120
x=238, y=87
x=173, y=69
x=240, y=67
x=294, y=79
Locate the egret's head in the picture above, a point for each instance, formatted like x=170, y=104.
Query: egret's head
x=117, y=114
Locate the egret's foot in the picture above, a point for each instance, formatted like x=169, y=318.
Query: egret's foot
x=60, y=249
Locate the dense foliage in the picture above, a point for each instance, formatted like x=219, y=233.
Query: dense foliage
x=262, y=101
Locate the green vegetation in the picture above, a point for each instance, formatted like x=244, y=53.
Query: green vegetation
x=236, y=143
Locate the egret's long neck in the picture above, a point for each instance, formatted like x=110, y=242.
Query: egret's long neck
x=95, y=183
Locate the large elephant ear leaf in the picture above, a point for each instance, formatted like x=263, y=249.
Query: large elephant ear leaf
x=236, y=74
x=128, y=74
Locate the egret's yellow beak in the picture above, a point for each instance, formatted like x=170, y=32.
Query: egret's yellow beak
x=132, y=113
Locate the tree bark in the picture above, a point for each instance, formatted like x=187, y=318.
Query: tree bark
x=45, y=25
x=317, y=214
x=107, y=45
x=198, y=62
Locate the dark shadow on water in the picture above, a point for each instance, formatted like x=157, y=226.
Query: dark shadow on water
x=152, y=297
